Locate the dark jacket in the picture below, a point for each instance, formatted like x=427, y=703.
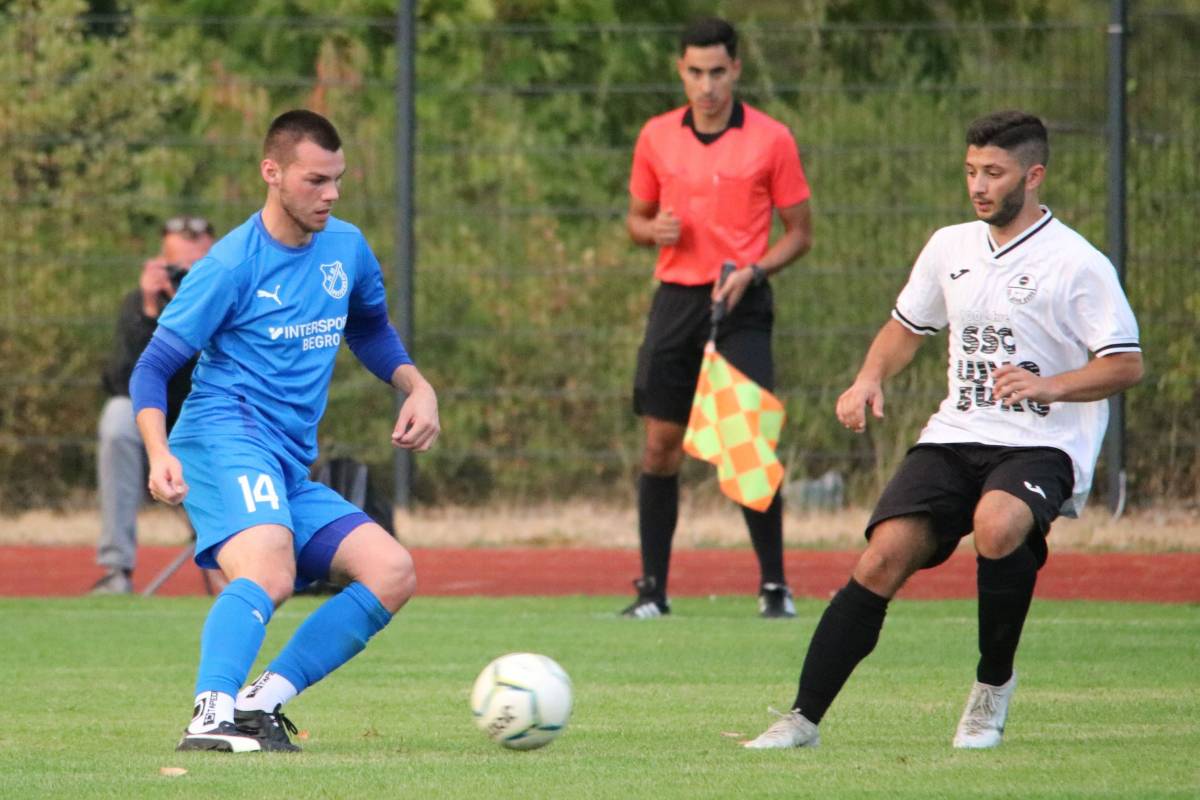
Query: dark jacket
x=134, y=330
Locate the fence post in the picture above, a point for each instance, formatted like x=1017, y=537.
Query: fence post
x=403, y=260
x=1114, y=438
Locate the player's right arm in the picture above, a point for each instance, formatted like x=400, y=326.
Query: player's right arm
x=649, y=222
x=920, y=311
x=161, y=359
x=166, y=473
x=650, y=226
x=892, y=350
x=186, y=325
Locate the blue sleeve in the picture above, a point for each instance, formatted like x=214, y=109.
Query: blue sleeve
x=206, y=298
x=368, y=289
x=161, y=359
x=375, y=342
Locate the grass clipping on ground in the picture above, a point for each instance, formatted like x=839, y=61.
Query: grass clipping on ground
x=592, y=524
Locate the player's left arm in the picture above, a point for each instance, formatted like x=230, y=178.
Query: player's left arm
x=375, y=342
x=789, y=193
x=795, y=242
x=1098, y=379
x=417, y=426
x=1098, y=314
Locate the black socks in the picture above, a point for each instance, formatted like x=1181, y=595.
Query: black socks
x=846, y=634
x=766, y=533
x=658, y=511
x=849, y=630
x=1005, y=591
x=658, y=514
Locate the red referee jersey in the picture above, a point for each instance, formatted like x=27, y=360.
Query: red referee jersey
x=723, y=192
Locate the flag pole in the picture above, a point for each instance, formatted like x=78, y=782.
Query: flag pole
x=718, y=310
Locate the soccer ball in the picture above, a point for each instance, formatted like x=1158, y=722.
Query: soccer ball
x=522, y=700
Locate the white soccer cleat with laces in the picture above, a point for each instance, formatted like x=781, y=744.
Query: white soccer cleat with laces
x=982, y=723
x=791, y=730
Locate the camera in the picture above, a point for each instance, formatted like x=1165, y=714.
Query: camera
x=175, y=275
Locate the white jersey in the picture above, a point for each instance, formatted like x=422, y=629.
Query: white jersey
x=1042, y=302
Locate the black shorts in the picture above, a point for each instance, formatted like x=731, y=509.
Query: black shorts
x=668, y=363
x=946, y=482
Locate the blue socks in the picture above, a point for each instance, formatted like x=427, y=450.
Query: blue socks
x=232, y=636
x=331, y=636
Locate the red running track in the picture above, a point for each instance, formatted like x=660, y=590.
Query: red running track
x=1157, y=577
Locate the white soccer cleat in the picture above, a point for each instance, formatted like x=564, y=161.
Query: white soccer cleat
x=982, y=723
x=791, y=730
x=223, y=738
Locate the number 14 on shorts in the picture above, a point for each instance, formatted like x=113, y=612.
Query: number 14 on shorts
x=263, y=492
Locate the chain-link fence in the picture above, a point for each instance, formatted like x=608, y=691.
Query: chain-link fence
x=529, y=298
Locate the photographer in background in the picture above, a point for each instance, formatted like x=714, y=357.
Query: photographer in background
x=121, y=459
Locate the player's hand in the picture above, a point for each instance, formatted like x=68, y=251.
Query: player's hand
x=852, y=405
x=733, y=289
x=666, y=228
x=417, y=426
x=154, y=284
x=166, y=480
x=1012, y=384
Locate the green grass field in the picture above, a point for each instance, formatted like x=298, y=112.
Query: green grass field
x=95, y=693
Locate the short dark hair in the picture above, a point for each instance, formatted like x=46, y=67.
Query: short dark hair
x=707, y=32
x=292, y=127
x=1020, y=133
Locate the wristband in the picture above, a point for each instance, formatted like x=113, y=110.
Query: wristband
x=760, y=275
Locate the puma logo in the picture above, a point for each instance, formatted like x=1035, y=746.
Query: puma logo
x=1035, y=489
x=263, y=293
x=956, y=275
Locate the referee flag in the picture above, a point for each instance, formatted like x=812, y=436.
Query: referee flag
x=735, y=424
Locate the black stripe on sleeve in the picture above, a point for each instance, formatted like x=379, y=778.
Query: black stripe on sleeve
x=1120, y=347
x=923, y=330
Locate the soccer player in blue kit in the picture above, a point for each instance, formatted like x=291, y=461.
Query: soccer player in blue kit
x=267, y=309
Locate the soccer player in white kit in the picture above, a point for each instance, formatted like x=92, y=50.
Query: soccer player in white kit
x=1014, y=442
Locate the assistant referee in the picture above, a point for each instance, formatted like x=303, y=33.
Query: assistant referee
x=705, y=180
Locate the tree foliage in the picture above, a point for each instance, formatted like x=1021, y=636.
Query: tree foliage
x=530, y=299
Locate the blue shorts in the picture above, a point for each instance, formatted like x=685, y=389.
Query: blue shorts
x=237, y=482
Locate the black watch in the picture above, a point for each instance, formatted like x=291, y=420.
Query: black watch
x=760, y=275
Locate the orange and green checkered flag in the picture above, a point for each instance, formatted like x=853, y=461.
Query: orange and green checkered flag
x=735, y=424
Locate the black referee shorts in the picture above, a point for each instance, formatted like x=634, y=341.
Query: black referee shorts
x=946, y=482
x=668, y=363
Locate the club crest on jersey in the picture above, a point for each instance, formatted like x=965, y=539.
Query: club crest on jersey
x=334, y=280
x=1022, y=289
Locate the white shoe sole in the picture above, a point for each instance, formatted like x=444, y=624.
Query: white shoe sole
x=221, y=743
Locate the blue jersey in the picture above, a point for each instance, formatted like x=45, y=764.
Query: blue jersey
x=268, y=320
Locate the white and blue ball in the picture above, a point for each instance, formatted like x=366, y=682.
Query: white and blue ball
x=522, y=700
